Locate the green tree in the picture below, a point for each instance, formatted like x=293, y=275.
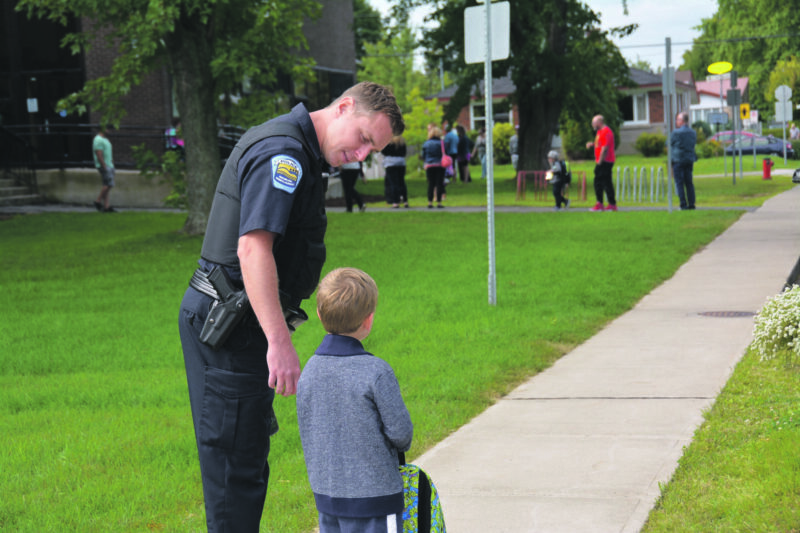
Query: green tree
x=786, y=72
x=367, y=26
x=562, y=64
x=209, y=48
x=423, y=112
x=753, y=35
x=391, y=62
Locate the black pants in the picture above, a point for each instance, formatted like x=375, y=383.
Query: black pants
x=396, y=190
x=463, y=170
x=349, y=177
x=558, y=189
x=435, y=177
x=604, y=183
x=233, y=417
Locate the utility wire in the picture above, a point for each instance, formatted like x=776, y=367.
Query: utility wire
x=716, y=41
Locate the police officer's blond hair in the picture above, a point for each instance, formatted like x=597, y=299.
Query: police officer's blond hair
x=346, y=296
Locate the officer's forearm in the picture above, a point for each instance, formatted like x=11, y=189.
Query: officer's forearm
x=261, y=283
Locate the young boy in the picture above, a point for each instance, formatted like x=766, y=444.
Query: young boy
x=352, y=418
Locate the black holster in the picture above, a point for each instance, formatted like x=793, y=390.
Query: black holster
x=230, y=306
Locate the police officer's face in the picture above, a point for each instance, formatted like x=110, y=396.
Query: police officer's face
x=353, y=135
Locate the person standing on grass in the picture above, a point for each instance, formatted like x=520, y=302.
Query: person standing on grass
x=265, y=236
x=682, y=141
x=479, y=151
x=451, y=148
x=432, y=152
x=352, y=418
x=604, y=158
x=104, y=163
x=394, y=161
x=464, y=149
x=350, y=173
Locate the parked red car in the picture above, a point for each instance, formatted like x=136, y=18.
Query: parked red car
x=727, y=137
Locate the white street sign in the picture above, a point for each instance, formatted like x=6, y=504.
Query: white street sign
x=475, y=27
x=783, y=111
x=783, y=93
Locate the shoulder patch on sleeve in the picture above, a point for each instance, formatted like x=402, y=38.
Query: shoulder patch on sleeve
x=286, y=173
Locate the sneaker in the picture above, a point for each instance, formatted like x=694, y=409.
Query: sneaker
x=597, y=207
x=362, y=208
x=611, y=207
x=98, y=206
x=109, y=210
x=566, y=205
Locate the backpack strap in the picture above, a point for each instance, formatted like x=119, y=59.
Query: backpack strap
x=424, y=509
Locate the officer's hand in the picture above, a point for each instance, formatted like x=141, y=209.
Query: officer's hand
x=284, y=368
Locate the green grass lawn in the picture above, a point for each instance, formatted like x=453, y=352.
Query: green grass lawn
x=742, y=470
x=712, y=187
x=95, y=429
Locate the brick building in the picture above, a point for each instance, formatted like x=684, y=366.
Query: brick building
x=35, y=72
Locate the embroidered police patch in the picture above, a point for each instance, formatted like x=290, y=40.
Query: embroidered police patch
x=286, y=173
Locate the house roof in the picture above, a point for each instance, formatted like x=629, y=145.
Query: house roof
x=645, y=79
x=711, y=87
x=500, y=87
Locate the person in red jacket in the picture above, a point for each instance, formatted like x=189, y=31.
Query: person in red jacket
x=604, y=161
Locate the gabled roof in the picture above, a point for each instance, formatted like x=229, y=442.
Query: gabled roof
x=501, y=87
x=711, y=87
x=646, y=79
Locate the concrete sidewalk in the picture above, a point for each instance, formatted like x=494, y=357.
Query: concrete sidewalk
x=583, y=446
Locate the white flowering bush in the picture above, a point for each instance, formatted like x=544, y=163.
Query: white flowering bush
x=777, y=327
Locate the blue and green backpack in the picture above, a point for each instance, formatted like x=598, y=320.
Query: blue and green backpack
x=423, y=510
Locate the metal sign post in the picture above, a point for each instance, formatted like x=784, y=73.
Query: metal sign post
x=496, y=47
x=783, y=110
x=719, y=69
x=668, y=89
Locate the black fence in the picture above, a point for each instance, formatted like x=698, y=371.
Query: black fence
x=17, y=160
x=70, y=145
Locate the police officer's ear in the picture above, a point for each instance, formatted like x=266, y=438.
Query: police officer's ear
x=345, y=105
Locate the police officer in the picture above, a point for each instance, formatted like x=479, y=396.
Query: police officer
x=265, y=235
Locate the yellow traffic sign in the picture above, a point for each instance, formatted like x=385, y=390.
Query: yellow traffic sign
x=744, y=111
x=720, y=67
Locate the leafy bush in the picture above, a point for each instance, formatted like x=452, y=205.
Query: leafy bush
x=708, y=149
x=501, y=133
x=574, y=136
x=777, y=327
x=651, y=144
x=167, y=168
x=796, y=147
x=703, y=130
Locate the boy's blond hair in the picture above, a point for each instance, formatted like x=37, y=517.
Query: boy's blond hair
x=345, y=298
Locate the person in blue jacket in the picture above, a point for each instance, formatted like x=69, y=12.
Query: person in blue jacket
x=432, y=160
x=683, y=140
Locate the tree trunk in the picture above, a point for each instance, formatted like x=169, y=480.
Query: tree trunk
x=540, y=108
x=190, y=59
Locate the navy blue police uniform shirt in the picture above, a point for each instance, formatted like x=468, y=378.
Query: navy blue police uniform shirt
x=274, y=174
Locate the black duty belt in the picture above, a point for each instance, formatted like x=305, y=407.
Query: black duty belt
x=200, y=283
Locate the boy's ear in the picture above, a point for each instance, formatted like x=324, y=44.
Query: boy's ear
x=367, y=324
x=320, y=318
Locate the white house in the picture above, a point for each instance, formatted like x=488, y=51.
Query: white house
x=710, y=102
